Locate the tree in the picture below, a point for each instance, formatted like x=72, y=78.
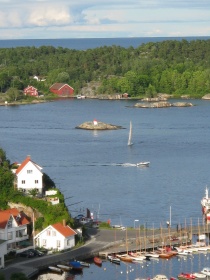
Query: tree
x=12, y=94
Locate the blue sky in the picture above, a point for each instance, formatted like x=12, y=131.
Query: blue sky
x=38, y=19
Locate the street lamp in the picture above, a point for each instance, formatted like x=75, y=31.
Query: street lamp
x=135, y=222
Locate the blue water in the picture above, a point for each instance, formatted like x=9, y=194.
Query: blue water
x=98, y=169
x=90, y=43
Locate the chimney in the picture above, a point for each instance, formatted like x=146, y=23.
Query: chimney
x=64, y=223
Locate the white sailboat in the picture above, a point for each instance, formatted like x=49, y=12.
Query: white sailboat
x=130, y=135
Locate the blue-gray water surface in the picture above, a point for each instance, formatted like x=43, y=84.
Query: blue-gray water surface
x=97, y=168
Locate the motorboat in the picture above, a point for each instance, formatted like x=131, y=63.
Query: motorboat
x=85, y=264
x=206, y=271
x=55, y=269
x=64, y=267
x=160, y=277
x=97, y=261
x=75, y=265
x=199, y=275
x=143, y=164
x=187, y=276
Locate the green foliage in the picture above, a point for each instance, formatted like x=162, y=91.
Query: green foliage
x=104, y=225
x=171, y=66
x=51, y=213
x=2, y=276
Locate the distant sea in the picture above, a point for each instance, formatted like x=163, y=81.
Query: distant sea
x=90, y=43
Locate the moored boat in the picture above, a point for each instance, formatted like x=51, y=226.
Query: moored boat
x=125, y=258
x=85, y=264
x=206, y=271
x=55, y=269
x=75, y=265
x=186, y=276
x=97, y=261
x=64, y=267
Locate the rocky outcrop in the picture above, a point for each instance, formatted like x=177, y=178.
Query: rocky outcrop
x=93, y=125
x=206, y=97
x=162, y=104
x=182, y=104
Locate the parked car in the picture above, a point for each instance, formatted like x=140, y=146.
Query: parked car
x=36, y=252
x=26, y=253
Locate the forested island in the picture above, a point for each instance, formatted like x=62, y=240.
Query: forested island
x=177, y=68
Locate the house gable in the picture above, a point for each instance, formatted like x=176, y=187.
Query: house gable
x=62, y=89
x=57, y=237
x=30, y=90
x=29, y=176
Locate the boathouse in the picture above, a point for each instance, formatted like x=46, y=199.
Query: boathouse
x=62, y=89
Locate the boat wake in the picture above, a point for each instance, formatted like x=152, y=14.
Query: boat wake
x=127, y=164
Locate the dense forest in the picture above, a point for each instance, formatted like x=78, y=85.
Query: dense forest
x=173, y=67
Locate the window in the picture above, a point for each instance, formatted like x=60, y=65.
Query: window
x=48, y=232
x=9, y=223
x=29, y=171
x=44, y=242
x=53, y=233
x=23, y=182
x=36, y=181
x=58, y=243
x=9, y=236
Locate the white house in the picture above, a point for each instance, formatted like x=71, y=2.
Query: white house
x=13, y=228
x=3, y=251
x=29, y=176
x=56, y=237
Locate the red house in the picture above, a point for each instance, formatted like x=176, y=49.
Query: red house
x=62, y=89
x=31, y=91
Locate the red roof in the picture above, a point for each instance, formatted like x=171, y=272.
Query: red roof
x=5, y=216
x=64, y=230
x=58, y=86
x=23, y=164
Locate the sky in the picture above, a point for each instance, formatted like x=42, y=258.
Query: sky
x=46, y=19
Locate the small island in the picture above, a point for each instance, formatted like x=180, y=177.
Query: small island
x=96, y=125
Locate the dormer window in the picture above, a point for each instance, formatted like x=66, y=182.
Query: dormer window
x=29, y=171
x=9, y=223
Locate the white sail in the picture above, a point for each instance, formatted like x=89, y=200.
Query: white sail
x=130, y=135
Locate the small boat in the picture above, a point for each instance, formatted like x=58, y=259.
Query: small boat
x=55, y=269
x=115, y=260
x=80, y=96
x=143, y=164
x=160, y=277
x=85, y=264
x=187, y=276
x=206, y=271
x=75, y=265
x=125, y=258
x=64, y=267
x=199, y=275
x=97, y=261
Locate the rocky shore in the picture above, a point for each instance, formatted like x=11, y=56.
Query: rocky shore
x=162, y=104
x=96, y=125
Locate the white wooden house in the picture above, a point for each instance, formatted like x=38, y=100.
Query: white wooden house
x=13, y=228
x=3, y=252
x=29, y=176
x=56, y=237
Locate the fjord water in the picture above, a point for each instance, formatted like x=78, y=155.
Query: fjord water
x=96, y=169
